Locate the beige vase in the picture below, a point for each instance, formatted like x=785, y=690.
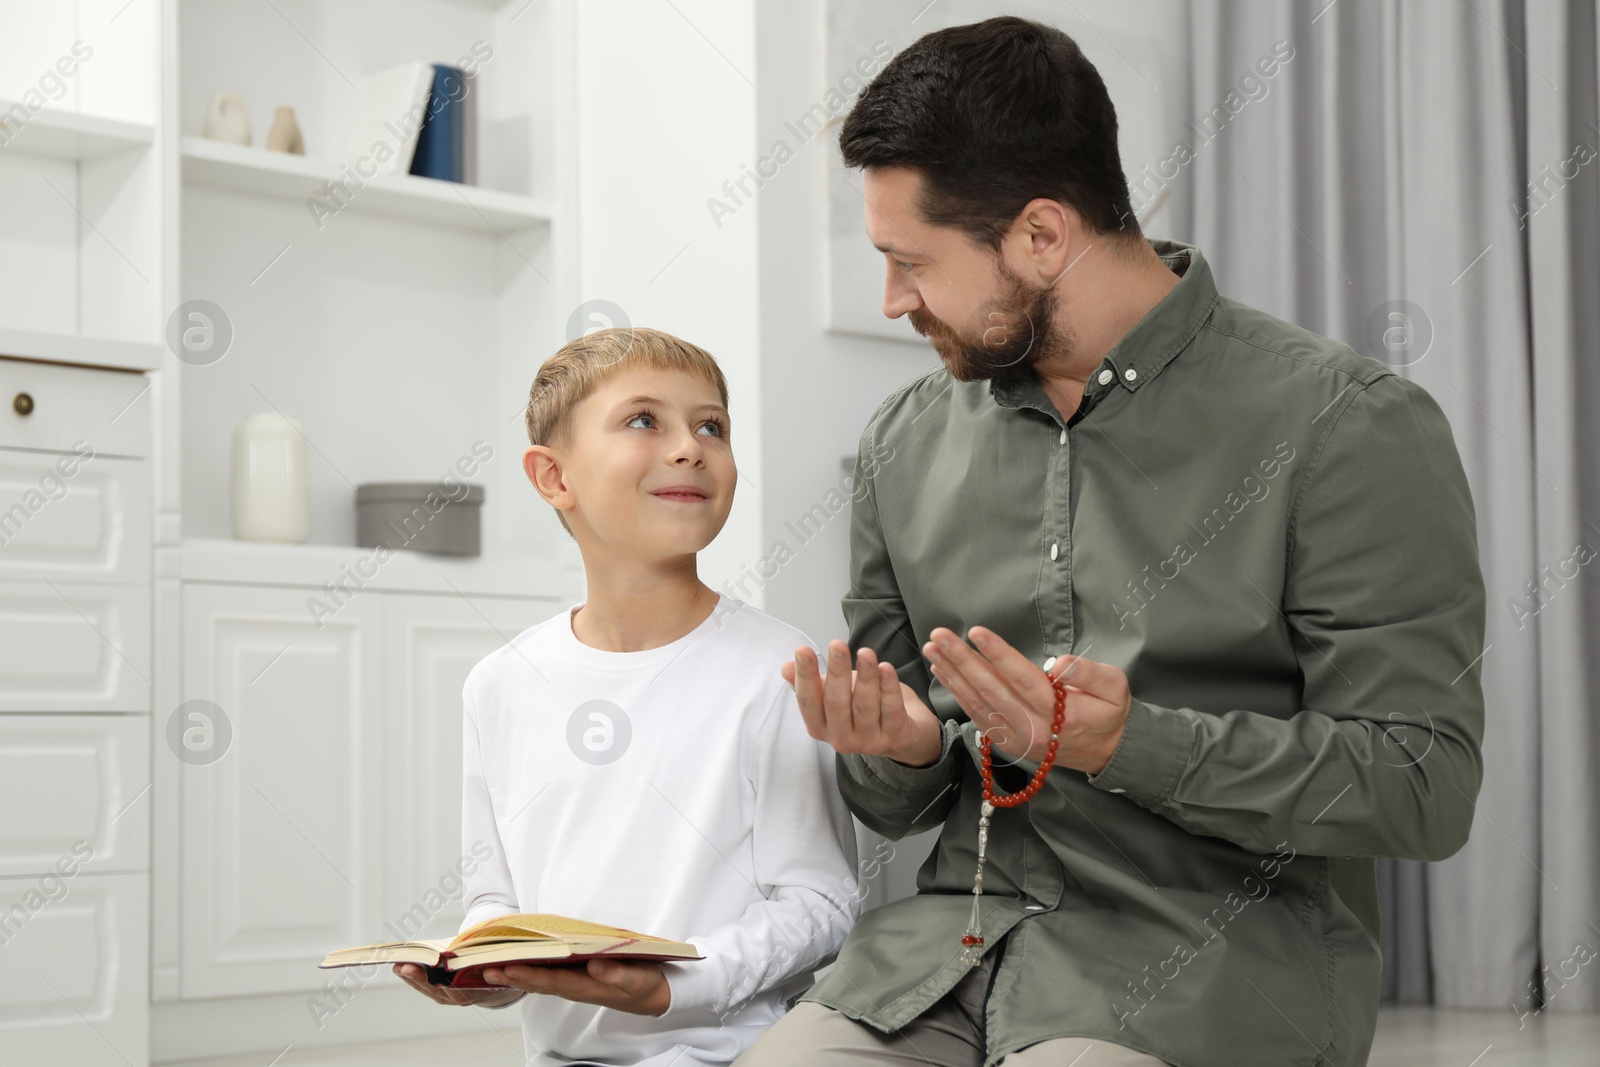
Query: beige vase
x=284, y=136
x=226, y=119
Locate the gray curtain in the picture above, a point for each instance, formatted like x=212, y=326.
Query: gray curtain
x=1376, y=188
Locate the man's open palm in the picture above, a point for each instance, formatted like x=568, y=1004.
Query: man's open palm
x=867, y=710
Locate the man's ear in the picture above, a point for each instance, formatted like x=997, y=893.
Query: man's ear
x=543, y=468
x=1053, y=236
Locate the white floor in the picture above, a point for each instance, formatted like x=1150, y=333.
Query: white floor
x=1423, y=1037
x=1407, y=1037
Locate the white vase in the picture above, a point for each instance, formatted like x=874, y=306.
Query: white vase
x=271, y=497
x=226, y=119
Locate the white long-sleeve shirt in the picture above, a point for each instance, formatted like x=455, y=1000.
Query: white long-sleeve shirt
x=673, y=791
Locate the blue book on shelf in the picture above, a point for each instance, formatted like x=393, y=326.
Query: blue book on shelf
x=440, y=144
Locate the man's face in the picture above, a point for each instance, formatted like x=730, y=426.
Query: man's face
x=644, y=431
x=982, y=317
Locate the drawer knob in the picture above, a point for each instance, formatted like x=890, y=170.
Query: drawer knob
x=22, y=404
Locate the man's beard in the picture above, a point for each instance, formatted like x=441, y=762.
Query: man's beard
x=1016, y=330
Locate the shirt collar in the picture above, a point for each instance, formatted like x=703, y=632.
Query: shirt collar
x=1153, y=342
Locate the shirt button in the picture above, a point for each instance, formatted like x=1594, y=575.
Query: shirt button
x=1053, y=551
x=1115, y=790
x=1105, y=376
x=1130, y=374
x=1063, y=436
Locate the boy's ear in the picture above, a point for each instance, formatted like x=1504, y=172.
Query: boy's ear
x=543, y=469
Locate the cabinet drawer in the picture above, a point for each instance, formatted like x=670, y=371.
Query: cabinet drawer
x=89, y=935
x=107, y=410
x=74, y=787
x=76, y=516
x=70, y=647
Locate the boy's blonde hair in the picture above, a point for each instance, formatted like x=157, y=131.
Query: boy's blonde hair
x=583, y=364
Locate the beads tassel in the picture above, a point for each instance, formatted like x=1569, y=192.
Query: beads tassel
x=972, y=939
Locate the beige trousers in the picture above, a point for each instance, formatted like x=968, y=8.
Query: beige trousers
x=949, y=1034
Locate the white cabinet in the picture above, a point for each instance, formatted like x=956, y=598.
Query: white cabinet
x=75, y=534
x=74, y=985
x=332, y=816
x=92, y=523
x=322, y=821
x=399, y=321
x=277, y=866
x=75, y=537
x=71, y=647
x=431, y=644
x=78, y=410
x=81, y=783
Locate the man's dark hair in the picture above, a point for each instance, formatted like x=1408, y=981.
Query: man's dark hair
x=994, y=114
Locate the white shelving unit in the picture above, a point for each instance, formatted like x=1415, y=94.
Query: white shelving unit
x=403, y=328
x=401, y=332
x=256, y=170
x=81, y=177
x=83, y=184
x=72, y=348
x=65, y=135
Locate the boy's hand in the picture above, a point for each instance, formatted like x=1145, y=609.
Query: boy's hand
x=637, y=986
x=867, y=710
x=417, y=978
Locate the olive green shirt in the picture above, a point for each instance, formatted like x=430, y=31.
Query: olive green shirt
x=1273, y=537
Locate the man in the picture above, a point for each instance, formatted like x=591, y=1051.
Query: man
x=1248, y=553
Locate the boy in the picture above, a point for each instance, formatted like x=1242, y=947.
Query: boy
x=638, y=760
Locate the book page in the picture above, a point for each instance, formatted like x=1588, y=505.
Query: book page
x=541, y=926
x=482, y=953
x=424, y=952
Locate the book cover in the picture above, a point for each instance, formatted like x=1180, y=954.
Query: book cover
x=440, y=149
x=388, y=115
x=469, y=131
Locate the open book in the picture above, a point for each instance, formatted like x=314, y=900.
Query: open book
x=508, y=939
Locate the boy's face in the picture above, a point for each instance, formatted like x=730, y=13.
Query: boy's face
x=650, y=470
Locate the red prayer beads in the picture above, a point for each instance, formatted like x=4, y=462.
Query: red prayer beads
x=1023, y=795
x=972, y=940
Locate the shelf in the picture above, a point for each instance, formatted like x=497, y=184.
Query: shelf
x=309, y=566
x=72, y=348
x=258, y=170
x=67, y=135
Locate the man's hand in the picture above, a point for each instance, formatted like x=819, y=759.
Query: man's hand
x=866, y=710
x=637, y=986
x=417, y=979
x=1013, y=700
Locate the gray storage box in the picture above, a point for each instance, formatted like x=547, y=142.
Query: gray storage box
x=399, y=515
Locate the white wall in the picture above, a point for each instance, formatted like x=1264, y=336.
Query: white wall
x=666, y=102
x=820, y=387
